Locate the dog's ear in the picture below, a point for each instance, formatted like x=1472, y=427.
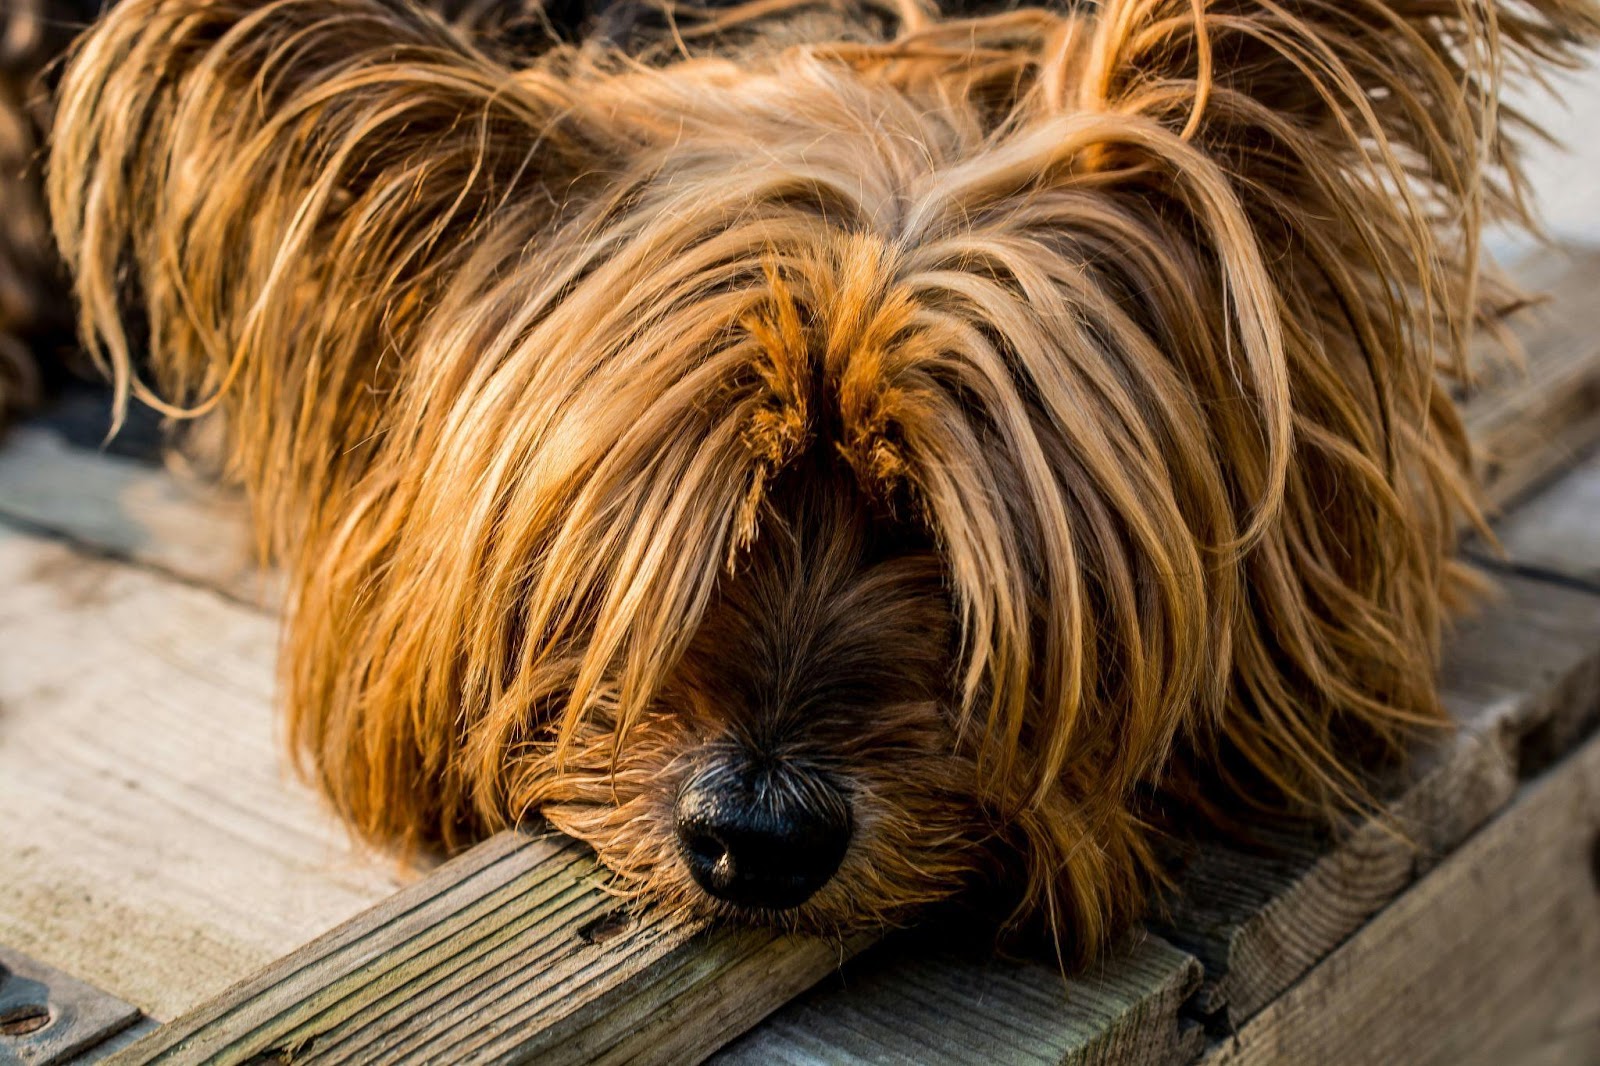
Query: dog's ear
x=1325, y=167
x=1371, y=128
x=284, y=191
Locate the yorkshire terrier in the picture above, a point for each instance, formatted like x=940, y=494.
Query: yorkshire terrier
x=826, y=456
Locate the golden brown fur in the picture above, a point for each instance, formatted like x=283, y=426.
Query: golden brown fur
x=1016, y=417
x=35, y=305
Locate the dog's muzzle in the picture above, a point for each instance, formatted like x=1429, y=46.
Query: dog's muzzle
x=761, y=834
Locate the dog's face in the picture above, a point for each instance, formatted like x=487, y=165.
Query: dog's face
x=824, y=478
x=801, y=762
x=797, y=436
x=777, y=520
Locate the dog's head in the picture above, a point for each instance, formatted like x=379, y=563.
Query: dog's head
x=820, y=476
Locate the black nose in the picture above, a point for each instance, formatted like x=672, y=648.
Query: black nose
x=764, y=837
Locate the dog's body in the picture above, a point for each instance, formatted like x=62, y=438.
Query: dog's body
x=880, y=454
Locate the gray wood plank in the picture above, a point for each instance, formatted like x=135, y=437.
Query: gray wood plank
x=910, y=1001
x=48, y=1017
x=1553, y=532
x=1493, y=958
x=151, y=842
x=129, y=509
x=1528, y=423
x=490, y=959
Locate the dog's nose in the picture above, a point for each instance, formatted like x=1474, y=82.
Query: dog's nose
x=761, y=838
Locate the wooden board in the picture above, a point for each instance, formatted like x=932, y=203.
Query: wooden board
x=512, y=953
x=130, y=509
x=152, y=844
x=1493, y=958
x=913, y=1003
x=1552, y=533
x=1528, y=423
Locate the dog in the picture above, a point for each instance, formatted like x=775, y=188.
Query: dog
x=831, y=457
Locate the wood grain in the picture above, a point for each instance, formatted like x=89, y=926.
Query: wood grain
x=129, y=509
x=495, y=958
x=1554, y=532
x=1525, y=671
x=1528, y=423
x=152, y=844
x=913, y=1003
x=1493, y=958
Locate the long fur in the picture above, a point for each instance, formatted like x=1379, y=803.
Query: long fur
x=1048, y=404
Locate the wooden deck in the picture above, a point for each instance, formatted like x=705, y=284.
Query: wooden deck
x=159, y=864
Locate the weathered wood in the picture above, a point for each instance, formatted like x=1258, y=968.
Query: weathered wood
x=911, y=1002
x=129, y=509
x=1493, y=958
x=1553, y=531
x=151, y=844
x=514, y=952
x=48, y=1017
x=1526, y=424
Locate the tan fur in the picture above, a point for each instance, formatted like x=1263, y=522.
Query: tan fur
x=1022, y=417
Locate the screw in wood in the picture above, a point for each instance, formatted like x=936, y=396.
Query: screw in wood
x=20, y=1019
x=24, y=1018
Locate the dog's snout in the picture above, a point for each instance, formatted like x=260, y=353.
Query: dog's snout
x=765, y=838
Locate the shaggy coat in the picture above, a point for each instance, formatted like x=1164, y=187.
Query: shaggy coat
x=1032, y=422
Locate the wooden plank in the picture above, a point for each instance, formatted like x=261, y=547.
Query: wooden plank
x=915, y=1003
x=47, y=1017
x=1553, y=532
x=1493, y=958
x=130, y=509
x=151, y=843
x=514, y=952
x=1526, y=425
